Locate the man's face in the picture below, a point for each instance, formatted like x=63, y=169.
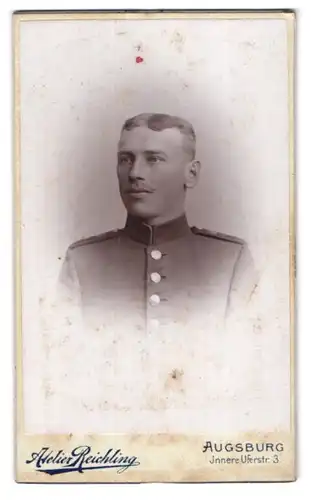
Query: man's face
x=152, y=170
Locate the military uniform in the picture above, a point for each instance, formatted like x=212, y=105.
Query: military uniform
x=158, y=275
x=153, y=302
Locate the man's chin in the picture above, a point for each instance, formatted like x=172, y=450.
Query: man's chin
x=140, y=210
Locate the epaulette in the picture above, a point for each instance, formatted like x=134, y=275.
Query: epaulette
x=216, y=235
x=94, y=239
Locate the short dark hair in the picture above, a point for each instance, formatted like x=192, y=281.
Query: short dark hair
x=161, y=121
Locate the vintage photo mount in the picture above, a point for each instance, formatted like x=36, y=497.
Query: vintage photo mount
x=158, y=457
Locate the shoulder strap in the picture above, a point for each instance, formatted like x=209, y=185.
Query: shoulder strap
x=218, y=236
x=95, y=239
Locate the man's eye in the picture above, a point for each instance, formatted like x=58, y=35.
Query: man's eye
x=125, y=160
x=154, y=159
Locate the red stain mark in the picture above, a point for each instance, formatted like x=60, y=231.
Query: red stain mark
x=139, y=59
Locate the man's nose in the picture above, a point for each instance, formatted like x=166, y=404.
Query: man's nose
x=137, y=169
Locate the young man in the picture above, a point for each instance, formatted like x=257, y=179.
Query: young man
x=154, y=297
x=158, y=271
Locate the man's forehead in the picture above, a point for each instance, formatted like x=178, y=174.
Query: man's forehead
x=143, y=139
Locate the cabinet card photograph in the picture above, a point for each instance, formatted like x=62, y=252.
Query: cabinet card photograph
x=154, y=212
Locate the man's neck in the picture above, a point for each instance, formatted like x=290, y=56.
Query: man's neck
x=150, y=234
x=163, y=219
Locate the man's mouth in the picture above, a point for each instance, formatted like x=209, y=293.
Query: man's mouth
x=134, y=191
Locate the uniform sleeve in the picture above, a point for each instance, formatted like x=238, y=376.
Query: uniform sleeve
x=68, y=294
x=240, y=342
x=64, y=333
x=243, y=285
x=68, y=278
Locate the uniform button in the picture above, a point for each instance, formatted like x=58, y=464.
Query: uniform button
x=154, y=300
x=156, y=254
x=155, y=277
x=154, y=323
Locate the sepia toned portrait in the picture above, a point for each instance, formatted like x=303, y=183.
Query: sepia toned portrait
x=155, y=271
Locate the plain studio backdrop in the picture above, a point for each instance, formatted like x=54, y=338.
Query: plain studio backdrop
x=80, y=80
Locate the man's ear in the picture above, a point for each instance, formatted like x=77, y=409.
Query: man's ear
x=192, y=173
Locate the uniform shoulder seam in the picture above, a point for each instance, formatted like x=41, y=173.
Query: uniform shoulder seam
x=94, y=239
x=216, y=235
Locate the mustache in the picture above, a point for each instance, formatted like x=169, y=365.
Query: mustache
x=139, y=188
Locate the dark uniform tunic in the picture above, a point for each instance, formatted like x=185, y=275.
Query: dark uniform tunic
x=158, y=275
x=154, y=302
